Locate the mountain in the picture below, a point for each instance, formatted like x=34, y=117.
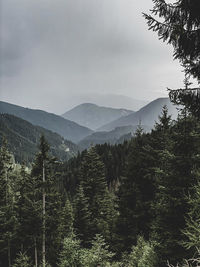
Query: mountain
x=66, y=128
x=23, y=139
x=116, y=136
x=146, y=115
x=94, y=116
x=106, y=100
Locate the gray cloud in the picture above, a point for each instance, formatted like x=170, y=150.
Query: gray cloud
x=51, y=51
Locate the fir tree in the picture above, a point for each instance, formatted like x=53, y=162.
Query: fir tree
x=8, y=220
x=49, y=202
x=83, y=217
x=173, y=181
x=136, y=193
x=180, y=28
x=95, y=194
x=22, y=261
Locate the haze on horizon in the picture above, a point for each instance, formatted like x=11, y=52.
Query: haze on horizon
x=54, y=54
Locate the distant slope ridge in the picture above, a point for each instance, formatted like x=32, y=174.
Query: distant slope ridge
x=119, y=133
x=66, y=128
x=23, y=139
x=146, y=115
x=94, y=116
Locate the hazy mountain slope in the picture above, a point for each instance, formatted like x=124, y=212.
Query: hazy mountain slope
x=146, y=115
x=93, y=116
x=23, y=139
x=68, y=129
x=105, y=100
x=111, y=137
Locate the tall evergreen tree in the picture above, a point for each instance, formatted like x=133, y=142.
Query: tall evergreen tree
x=29, y=214
x=94, y=191
x=136, y=193
x=180, y=27
x=50, y=202
x=174, y=181
x=8, y=220
x=83, y=216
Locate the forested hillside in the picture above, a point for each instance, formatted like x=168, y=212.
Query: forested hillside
x=23, y=139
x=134, y=202
x=66, y=128
x=111, y=137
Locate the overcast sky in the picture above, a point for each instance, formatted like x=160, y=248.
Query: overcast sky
x=52, y=51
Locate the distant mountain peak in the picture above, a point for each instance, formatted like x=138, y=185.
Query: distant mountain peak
x=93, y=116
x=147, y=115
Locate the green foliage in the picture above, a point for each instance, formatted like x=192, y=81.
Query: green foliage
x=180, y=29
x=8, y=218
x=98, y=255
x=115, y=194
x=192, y=229
x=136, y=192
x=95, y=209
x=66, y=222
x=83, y=221
x=70, y=255
x=73, y=255
x=143, y=254
x=22, y=260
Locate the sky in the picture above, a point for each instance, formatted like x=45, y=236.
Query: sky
x=53, y=53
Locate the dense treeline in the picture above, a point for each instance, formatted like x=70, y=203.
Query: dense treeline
x=134, y=204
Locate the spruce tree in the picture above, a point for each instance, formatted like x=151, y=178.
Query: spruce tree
x=94, y=190
x=136, y=193
x=66, y=223
x=8, y=219
x=22, y=260
x=83, y=217
x=180, y=26
x=49, y=199
x=174, y=180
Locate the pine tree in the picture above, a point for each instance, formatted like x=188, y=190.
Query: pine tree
x=163, y=204
x=94, y=192
x=66, y=223
x=22, y=260
x=174, y=180
x=70, y=256
x=49, y=200
x=8, y=220
x=99, y=254
x=136, y=193
x=83, y=217
x=143, y=254
x=29, y=214
x=192, y=229
x=180, y=28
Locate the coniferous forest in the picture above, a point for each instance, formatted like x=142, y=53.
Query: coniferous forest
x=135, y=204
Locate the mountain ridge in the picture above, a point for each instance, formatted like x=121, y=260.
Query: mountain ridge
x=111, y=137
x=23, y=138
x=147, y=115
x=94, y=116
x=55, y=123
